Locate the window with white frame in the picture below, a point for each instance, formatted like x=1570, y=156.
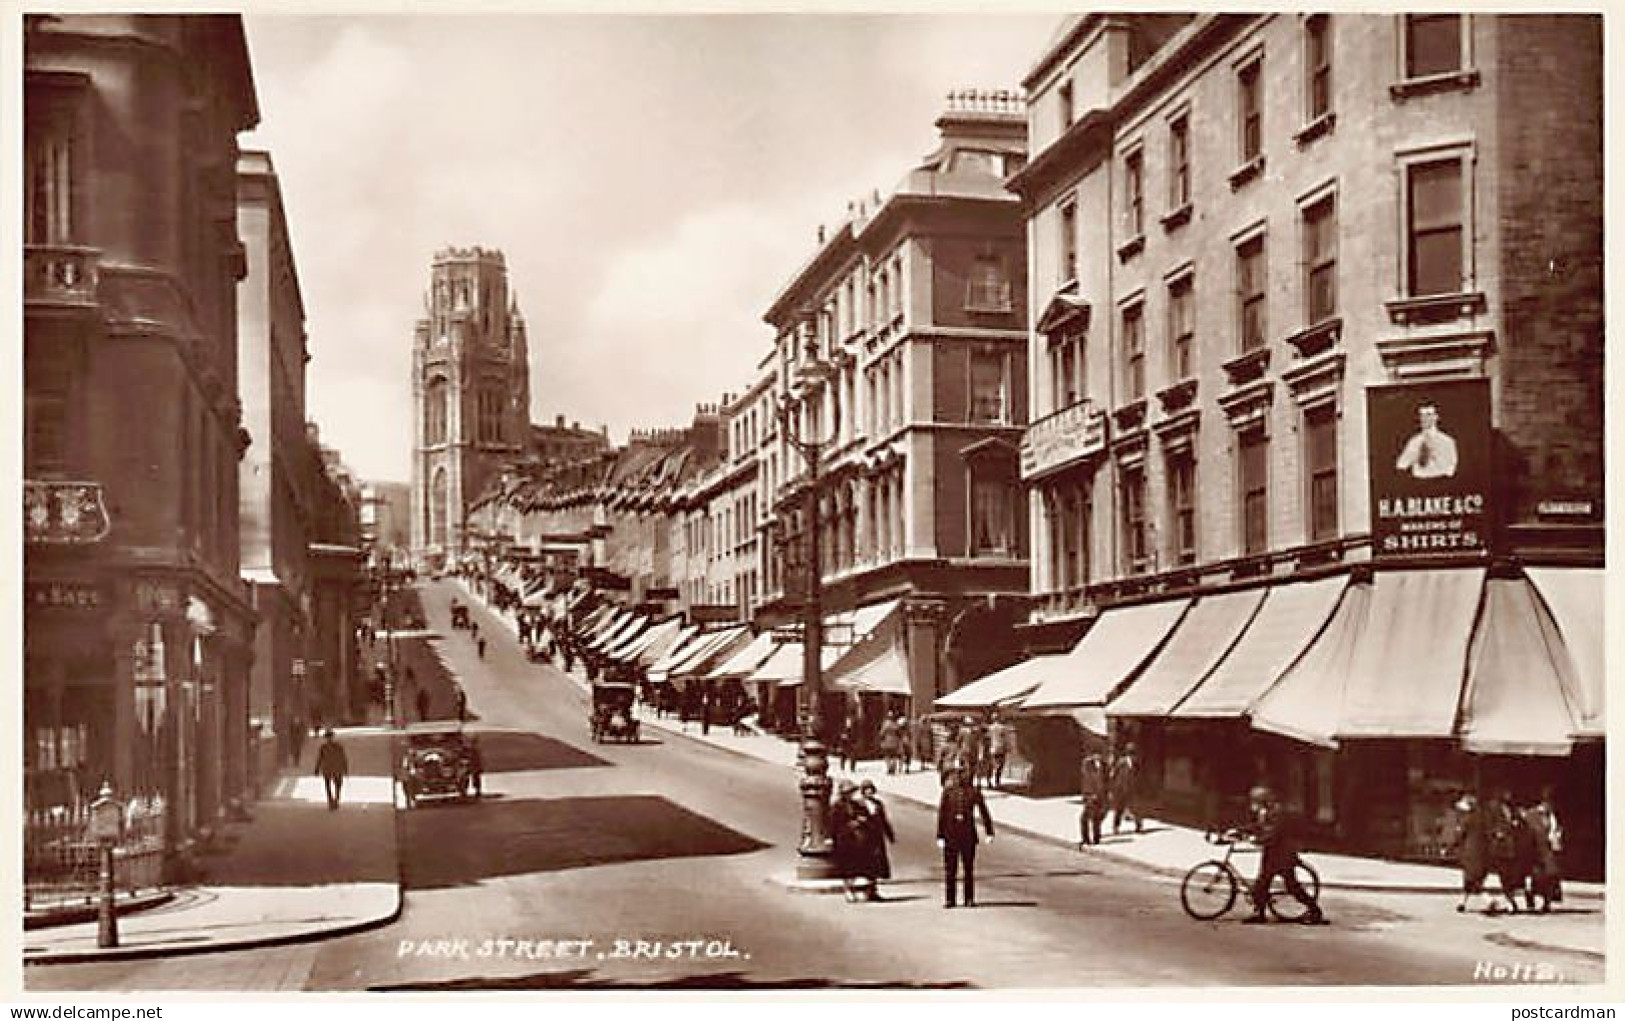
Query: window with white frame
x=1182, y=326
x=993, y=516
x=1251, y=293
x=1253, y=486
x=1136, y=547
x=1134, y=193
x=1134, y=352
x=1317, y=66
x=1320, y=258
x=1069, y=241
x=1182, y=504
x=1320, y=450
x=1179, y=162
x=1250, y=110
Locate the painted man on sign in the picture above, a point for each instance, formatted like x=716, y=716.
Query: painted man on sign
x=1431, y=452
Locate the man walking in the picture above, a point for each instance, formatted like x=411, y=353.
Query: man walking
x=332, y=766
x=1125, y=789
x=956, y=833
x=1000, y=738
x=1273, y=830
x=1093, y=786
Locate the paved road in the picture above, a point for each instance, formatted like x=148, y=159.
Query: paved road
x=678, y=845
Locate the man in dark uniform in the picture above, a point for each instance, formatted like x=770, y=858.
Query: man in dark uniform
x=956, y=833
x=1125, y=789
x=1273, y=829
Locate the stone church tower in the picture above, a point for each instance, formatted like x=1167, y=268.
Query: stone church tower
x=470, y=394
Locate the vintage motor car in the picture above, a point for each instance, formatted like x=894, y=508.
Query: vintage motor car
x=438, y=762
x=612, y=718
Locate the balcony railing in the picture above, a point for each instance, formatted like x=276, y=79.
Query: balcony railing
x=59, y=275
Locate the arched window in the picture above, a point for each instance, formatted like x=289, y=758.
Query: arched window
x=437, y=509
x=435, y=412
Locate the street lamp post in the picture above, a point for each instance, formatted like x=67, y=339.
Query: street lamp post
x=815, y=861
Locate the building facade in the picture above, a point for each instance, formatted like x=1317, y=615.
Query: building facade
x=1264, y=250
x=471, y=394
x=560, y=443
x=138, y=630
x=900, y=346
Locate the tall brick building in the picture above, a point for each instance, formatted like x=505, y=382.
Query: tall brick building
x=1317, y=444
x=470, y=394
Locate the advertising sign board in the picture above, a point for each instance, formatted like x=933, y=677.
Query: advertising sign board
x=1429, y=448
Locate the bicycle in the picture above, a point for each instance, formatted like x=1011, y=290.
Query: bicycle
x=1210, y=888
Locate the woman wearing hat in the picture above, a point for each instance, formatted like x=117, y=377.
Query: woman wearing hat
x=847, y=835
x=876, y=832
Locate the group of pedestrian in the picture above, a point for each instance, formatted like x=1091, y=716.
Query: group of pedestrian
x=1109, y=782
x=860, y=831
x=1517, y=843
x=979, y=751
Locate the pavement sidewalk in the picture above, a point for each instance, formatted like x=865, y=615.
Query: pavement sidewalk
x=295, y=872
x=1164, y=848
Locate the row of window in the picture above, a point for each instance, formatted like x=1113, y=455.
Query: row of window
x=1069, y=508
x=1435, y=253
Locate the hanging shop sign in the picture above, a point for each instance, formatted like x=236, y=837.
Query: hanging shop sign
x=1429, y=447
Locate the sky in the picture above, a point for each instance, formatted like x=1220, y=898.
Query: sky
x=654, y=182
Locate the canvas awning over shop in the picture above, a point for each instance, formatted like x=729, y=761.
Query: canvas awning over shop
x=1290, y=619
x=593, y=619
x=877, y=663
x=853, y=626
x=783, y=667
x=1197, y=645
x=621, y=633
x=657, y=641
x=745, y=661
x=1307, y=702
x=1574, y=597
x=1107, y=656
x=708, y=650
x=1002, y=687
x=685, y=640
x=631, y=640
x=605, y=626
x=1405, y=681
x=1514, y=703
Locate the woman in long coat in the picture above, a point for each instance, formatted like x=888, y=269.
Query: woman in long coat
x=846, y=830
x=876, y=834
x=1472, y=856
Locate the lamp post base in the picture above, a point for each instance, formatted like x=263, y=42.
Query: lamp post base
x=815, y=861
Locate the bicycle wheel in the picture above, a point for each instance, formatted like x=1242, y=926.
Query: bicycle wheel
x=1287, y=907
x=1208, y=891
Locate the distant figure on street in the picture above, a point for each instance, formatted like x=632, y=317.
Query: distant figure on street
x=474, y=629
x=891, y=744
x=1547, y=881
x=1272, y=827
x=905, y=743
x=423, y=703
x=1000, y=739
x=970, y=749
x=462, y=705
x=956, y=833
x=476, y=766
x=479, y=646
x=1093, y=784
x=921, y=732
x=1125, y=789
x=332, y=766
x=296, y=739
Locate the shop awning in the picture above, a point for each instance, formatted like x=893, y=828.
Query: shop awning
x=1574, y=596
x=1514, y=704
x=876, y=663
x=605, y=626
x=783, y=667
x=744, y=662
x=1197, y=645
x=679, y=648
x=658, y=641
x=1003, y=687
x=708, y=650
x=1290, y=619
x=1406, y=679
x=593, y=619
x=1108, y=655
x=1307, y=702
x=621, y=634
